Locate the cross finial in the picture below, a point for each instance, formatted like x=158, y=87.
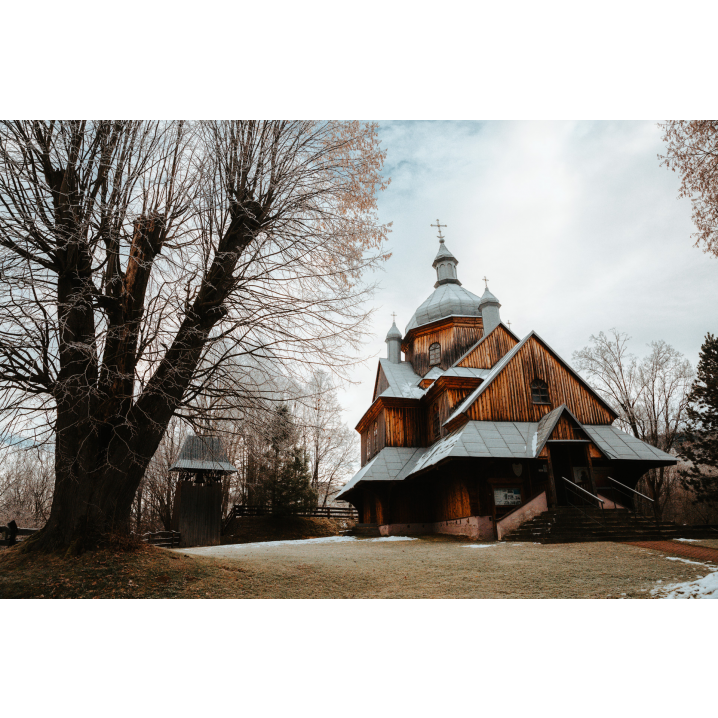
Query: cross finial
x=486, y=281
x=509, y=323
x=393, y=317
x=438, y=225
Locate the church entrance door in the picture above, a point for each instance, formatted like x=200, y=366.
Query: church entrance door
x=569, y=461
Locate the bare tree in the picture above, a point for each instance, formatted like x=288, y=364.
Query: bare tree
x=692, y=151
x=649, y=395
x=26, y=478
x=140, y=259
x=330, y=443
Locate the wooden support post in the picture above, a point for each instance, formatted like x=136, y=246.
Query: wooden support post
x=589, y=463
x=553, y=498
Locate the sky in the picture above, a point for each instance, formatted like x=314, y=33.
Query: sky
x=576, y=225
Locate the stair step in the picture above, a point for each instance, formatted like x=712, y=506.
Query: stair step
x=568, y=525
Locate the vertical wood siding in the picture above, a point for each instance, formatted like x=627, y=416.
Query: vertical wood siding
x=566, y=430
x=490, y=350
x=508, y=398
x=452, y=500
x=455, y=336
x=200, y=513
x=404, y=427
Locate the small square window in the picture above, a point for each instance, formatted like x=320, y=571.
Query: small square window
x=539, y=392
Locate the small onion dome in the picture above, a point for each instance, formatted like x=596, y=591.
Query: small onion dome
x=488, y=298
x=443, y=254
x=393, y=333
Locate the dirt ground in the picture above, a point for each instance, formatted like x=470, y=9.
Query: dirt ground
x=430, y=567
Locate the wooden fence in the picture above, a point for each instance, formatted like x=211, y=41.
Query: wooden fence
x=12, y=531
x=324, y=512
x=166, y=539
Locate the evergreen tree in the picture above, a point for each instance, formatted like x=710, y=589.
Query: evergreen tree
x=287, y=484
x=701, y=444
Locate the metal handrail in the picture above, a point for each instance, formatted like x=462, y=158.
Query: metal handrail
x=588, y=493
x=573, y=486
x=638, y=493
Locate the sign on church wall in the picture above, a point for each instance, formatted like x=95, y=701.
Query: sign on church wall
x=507, y=497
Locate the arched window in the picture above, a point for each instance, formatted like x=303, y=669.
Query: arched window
x=435, y=354
x=539, y=392
x=436, y=422
x=376, y=437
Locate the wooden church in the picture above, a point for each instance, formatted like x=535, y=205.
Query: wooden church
x=477, y=430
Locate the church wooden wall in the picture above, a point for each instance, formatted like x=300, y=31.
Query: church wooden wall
x=566, y=430
x=396, y=426
x=451, y=500
x=508, y=397
x=490, y=350
x=404, y=426
x=455, y=336
x=446, y=402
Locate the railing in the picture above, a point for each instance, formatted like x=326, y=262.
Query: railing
x=582, y=494
x=637, y=493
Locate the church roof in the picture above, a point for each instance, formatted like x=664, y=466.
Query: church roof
x=446, y=300
x=501, y=365
x=403, y=381
x=497, y=439
x=203, y=453
x=393, y=333
x=488, y=296
x=444, y=253
x=390, y=464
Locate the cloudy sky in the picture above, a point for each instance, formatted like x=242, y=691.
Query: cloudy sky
x=576, y=225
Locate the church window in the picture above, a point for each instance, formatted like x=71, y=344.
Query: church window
x=539, y=392
x=435, y=354
x=376, y=437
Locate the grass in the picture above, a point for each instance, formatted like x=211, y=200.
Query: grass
x=431, y=567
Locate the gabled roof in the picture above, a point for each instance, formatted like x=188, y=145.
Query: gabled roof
x=493, y=373
x=500, y=366
x=403, y=381
x=481, y=341
x=203, y=453
x=548, y=424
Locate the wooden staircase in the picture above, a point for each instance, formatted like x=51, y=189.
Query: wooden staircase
x=573, y=525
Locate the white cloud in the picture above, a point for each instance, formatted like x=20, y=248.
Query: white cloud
x=576, y=225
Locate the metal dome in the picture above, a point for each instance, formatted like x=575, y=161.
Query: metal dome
x=445, y=301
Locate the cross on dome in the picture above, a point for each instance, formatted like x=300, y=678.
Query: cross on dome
x=486, y=281
x=438, y=225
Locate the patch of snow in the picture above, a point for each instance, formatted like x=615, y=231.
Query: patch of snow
x=685, y=560
x=534, y=443
x=481, y=545
x=706, y=587
x=296, y=542
x=686, y=540
x=391, y=538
